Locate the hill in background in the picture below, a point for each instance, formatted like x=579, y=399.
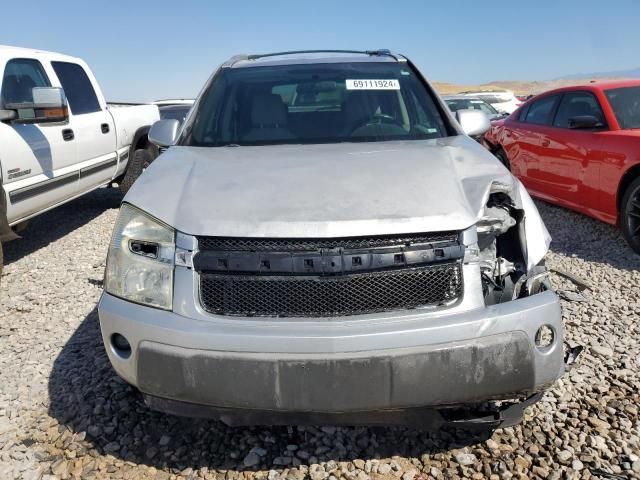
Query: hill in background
x=535, y=87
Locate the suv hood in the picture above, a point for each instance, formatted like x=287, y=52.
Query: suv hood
x=329, y=190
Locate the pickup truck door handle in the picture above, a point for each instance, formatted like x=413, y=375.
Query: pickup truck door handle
x=104, y=127
x=67, y=134
x=545, y=143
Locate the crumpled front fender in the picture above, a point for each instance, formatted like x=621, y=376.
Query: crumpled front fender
x=534, y=236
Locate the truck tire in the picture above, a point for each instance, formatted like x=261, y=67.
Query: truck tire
x=1, y=261
x=141, y=160
x=630, y=215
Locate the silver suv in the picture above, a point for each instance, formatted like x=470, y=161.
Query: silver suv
x=322, y=242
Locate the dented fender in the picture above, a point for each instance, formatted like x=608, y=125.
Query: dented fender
x=534, y=236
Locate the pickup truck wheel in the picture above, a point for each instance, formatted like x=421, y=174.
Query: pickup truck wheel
x=502, y=156
x=141, y=160
x=630, y=215
x=1, y=261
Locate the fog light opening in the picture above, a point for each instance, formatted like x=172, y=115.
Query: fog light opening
x=545, y=336
x=121, y=346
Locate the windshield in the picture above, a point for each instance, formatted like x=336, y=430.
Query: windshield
x=465, y=104
x=317, y=103
x=625, y=103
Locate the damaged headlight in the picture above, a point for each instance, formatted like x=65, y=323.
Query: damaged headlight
x=141, y=259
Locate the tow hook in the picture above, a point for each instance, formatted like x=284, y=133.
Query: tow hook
x=571, y=355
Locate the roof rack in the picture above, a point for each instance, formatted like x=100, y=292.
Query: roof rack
x=380, y=53
x=234, y=59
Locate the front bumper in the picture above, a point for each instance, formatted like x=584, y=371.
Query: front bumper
x=337, y=366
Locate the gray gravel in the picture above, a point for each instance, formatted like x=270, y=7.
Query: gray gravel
x=65, y=414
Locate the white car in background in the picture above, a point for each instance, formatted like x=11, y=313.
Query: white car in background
x=59, y=138
x=463, y=102
x=174, y=109
x=502, y=100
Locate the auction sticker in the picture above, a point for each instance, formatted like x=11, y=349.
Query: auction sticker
x=373, y=84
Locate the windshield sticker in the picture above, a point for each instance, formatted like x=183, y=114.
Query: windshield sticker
x=372, y=84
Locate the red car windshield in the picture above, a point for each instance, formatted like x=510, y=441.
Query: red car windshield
x=625, y=103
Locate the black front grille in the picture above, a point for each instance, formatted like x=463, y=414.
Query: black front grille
x=311, y=244
x=327, y=296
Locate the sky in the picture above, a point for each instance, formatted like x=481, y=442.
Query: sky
x=144, y=50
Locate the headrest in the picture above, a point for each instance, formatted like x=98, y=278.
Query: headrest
x=268, y=110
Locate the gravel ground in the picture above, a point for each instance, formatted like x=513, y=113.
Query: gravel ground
x=65, y=414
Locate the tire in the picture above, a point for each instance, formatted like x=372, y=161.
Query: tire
x=1, y=261
x=630, y=215
x=502, y=156
x=141, y=160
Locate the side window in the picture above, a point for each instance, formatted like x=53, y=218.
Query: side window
x=77, y=87
x=523, y=113
x=20, y=76
x=539, y=112
x=575, y=104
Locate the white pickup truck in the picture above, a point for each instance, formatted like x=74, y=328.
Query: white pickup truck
x=59, y=138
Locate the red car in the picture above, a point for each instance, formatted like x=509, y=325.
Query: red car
x=579, y=147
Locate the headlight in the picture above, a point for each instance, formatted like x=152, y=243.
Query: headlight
x=140, y=259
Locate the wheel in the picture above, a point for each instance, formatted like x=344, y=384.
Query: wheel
x=1, y=261
x=502, y=156
x=141, y=160
x=630, y=215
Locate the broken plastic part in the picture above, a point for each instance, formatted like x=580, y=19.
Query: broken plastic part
x=571, y=355
x=577, y=281
x=534, y=282
x=570, y=296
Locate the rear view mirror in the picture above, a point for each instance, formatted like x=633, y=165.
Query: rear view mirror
x=473, y=122
x=49, y=105
x=164, y=133
x=585, y=121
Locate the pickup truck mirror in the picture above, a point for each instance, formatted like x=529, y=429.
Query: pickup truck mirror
x=49, y=105
x=473, y=122
x=585, y=121
x=164, y=133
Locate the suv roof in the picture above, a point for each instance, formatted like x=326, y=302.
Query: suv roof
x=313, y=56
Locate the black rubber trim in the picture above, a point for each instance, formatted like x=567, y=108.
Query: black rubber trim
x=323, y=261
x=39, y=188
x=498, y=366
x=85, y=172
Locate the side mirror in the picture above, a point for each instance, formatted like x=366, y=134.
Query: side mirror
x=473, y=122
x=48, y=105
x=585, y=121
x=164, y=133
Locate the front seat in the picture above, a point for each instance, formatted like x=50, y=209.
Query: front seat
x=268, y=119
x=357, y=110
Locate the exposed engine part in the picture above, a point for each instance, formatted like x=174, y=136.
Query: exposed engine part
x=496, y=220
x=533, y=283
x=501, y=261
